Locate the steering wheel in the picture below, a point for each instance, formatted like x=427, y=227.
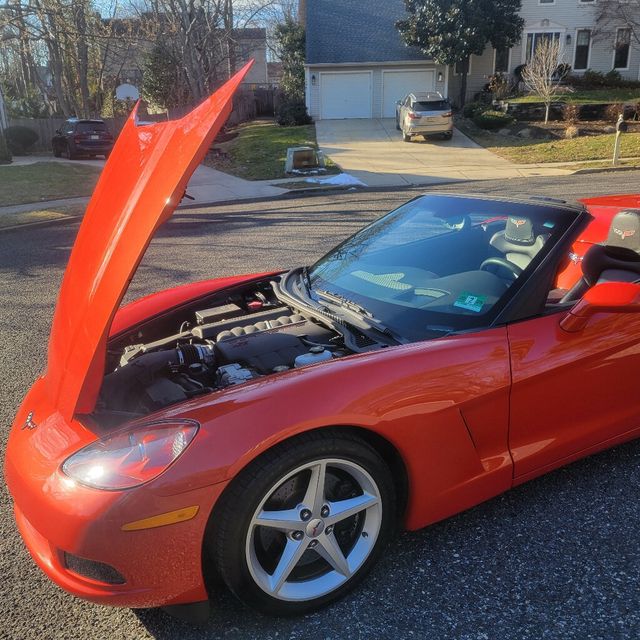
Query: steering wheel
x=513, y=269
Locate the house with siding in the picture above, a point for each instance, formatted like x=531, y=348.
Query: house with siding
x=357, y=65
x=585, y=43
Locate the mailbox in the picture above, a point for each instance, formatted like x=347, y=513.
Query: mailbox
x=621, y=125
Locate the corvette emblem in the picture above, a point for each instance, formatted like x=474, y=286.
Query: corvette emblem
x=518, y=223
x=29, y=423
x=624, y=233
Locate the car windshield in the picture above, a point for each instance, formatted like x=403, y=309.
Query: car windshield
x=435, y=105
x=438, y=263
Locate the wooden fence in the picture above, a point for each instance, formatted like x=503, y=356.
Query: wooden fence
x=247, y=105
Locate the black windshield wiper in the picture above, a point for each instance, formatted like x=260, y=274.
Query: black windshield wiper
x=306, y=280
x=365, y=316
x=343, y=302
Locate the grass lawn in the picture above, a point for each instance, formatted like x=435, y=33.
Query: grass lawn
x=583, y=148
x=45, y=181
x=529, y=151
x=260, y=149
x=589, y=96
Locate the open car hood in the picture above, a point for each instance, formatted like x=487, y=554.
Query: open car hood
x=139, y=189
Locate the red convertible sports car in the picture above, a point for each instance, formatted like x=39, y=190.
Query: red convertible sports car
x=274, y=430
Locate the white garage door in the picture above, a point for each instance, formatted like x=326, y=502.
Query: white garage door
x=397, y=84
x=345, y=95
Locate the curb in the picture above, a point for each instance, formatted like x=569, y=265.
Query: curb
x=578, y=172
x=40, y=223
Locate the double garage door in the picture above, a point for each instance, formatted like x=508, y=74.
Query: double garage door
x=350, y=94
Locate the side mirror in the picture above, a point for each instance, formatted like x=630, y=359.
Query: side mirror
x=58, y=132
x=608, y=297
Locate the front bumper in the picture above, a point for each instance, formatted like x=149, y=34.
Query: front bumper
x=160, y=566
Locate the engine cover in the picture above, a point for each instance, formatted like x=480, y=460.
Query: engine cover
x=266, y=345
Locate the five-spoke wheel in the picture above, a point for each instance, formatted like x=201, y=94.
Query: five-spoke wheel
x=304, y=523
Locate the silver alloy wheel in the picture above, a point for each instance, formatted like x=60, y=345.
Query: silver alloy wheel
x=308, y=529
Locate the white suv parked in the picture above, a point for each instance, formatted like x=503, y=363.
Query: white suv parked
x=424, y=114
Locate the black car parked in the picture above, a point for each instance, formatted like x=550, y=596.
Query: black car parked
x=82, y=138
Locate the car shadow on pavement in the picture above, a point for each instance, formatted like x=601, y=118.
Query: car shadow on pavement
x=553, y=558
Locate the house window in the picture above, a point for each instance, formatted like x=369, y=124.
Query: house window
x=621, y=54
x=501, y=61
x=586, y=1
x=534, y=39
x=583, y=41
x=546, y=1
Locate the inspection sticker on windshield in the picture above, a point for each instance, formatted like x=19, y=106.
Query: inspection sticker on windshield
x=470, y=302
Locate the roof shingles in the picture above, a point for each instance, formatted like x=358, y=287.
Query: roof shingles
x=341, y=31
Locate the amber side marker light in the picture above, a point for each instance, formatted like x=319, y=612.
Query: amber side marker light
x=171, y=517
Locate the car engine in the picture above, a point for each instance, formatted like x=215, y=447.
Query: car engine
x=248, y=336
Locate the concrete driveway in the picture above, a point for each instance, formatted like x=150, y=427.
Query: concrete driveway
x=373, y=151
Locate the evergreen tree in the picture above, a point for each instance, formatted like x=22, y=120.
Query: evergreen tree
x=162, y=84
x=290, y=42
x=450, y=31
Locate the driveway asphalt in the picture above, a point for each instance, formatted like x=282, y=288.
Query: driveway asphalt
x=554, y=559
x=373, y=151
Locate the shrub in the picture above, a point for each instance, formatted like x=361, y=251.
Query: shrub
x=562, y=71
x=471, y=109
x=517, y=72
x=613, y=78
x=292, y=114
x=20, y=139
x=594, y=78
x=498, y=85
x=5, y=154
x=571, y=113
x=571, y=132
x=612, y=111
x=492, y=119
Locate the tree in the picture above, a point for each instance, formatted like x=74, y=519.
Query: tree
x=540, y=75
x=162, y=79
x=451, y=31
x=290, y=47
x=5, y=154
x=611, y=14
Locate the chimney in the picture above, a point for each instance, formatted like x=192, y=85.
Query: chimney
x=302, y=12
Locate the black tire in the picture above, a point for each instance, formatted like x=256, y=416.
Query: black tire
x=232, y=535
x=448, y=135
x=69, y=155
x=398, y=125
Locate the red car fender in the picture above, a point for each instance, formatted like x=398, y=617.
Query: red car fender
x=443, y=405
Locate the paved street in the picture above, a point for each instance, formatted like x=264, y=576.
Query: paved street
x=555, y=558
x=373, y=151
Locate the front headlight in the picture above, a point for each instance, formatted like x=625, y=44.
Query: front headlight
x=130, y=458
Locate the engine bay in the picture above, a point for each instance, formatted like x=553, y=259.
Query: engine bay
x=222, y=340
